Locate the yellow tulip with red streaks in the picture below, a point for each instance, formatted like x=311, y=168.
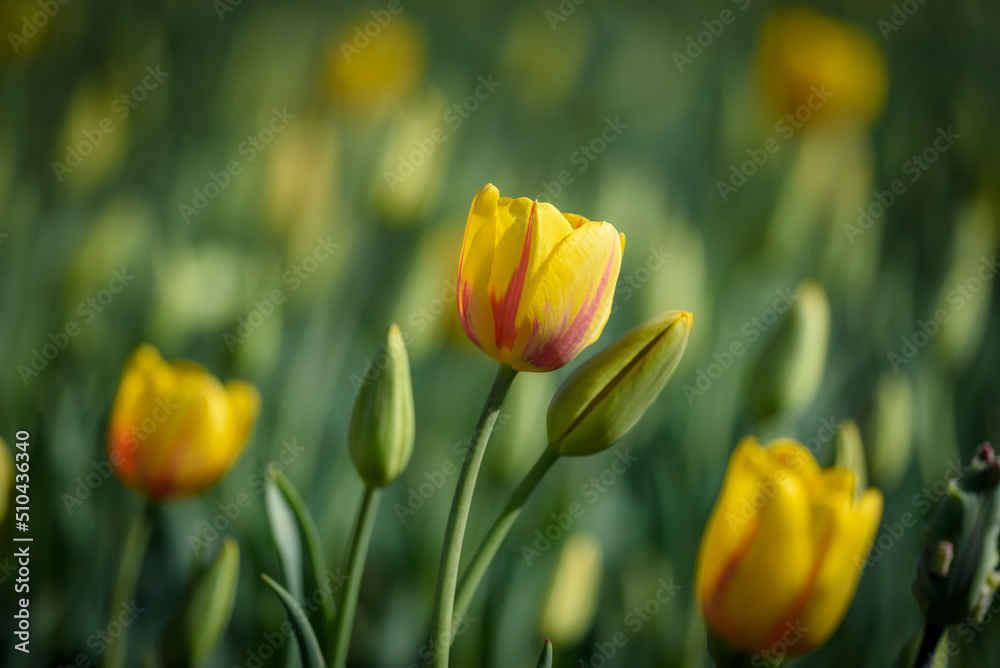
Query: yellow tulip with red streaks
x=535, y=286
x=175, y=429
x=784, y=549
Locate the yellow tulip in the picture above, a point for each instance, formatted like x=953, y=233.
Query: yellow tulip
x=778, y=562
x=820, y=68
x=175, y=430
x=535, y=285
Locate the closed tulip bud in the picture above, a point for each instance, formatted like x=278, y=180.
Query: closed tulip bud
x=571, y=602
x=892, y=429
x=779, y=560
x=957, y=574
x=202, y=616
x=382, y=425
x=535, y=285
x=604, y=398
x=790, y=369
x=174, y=429
x=851, y=452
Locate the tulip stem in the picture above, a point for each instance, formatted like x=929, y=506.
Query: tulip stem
x=928, y=645
x=129, y=568
x=495, y=535
x=348, y=603
x=451, y=553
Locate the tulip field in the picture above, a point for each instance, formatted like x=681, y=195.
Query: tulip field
x=541, y=334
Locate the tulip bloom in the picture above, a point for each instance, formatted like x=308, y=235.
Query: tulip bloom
x=534, y=285
x=175, y=430
x=779, y=559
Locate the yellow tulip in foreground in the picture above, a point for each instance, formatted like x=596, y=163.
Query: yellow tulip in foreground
x=777, y=567
x=175, y=430
x=534, y=285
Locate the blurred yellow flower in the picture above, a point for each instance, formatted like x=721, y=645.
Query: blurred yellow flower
x=175, y=430
x=535, y=286
x=820, y=69
x=571, y=601
x=778, y=562
x=376, y=61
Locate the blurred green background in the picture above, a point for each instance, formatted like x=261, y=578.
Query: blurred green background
x=213, y=153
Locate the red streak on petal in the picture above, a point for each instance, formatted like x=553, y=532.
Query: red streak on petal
x=567, y=342
x=505, y=310
x=464, y=297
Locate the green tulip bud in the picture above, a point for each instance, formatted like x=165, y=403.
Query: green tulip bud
x=892, y=429
x=382, y=425
x=851, y=453
x=604, y=398
x=957, y=574
x=788, y=372
x=203, y=614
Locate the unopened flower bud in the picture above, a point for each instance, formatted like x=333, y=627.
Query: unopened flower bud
x=957, y=571
x=382, y=425
x=604, y=398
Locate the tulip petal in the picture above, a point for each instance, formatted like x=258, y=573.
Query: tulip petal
x=771, y=567
x=568, y=302
x=474, y=310
x=851, y=529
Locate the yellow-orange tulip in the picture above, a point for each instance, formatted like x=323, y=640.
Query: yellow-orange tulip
x=820, y=69
x=779, y=559
x=175, y=430
x=535, y=285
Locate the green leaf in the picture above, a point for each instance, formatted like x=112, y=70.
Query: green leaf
x=201, y=617
x=314, y=547
x=545, y=660
x=312, y=657
x=285, y=534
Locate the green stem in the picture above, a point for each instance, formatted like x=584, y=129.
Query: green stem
x=725, y=656
x=129, y=569
x=928, y=645
x=495, y=535
x=451, y=553
x=348, y=603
